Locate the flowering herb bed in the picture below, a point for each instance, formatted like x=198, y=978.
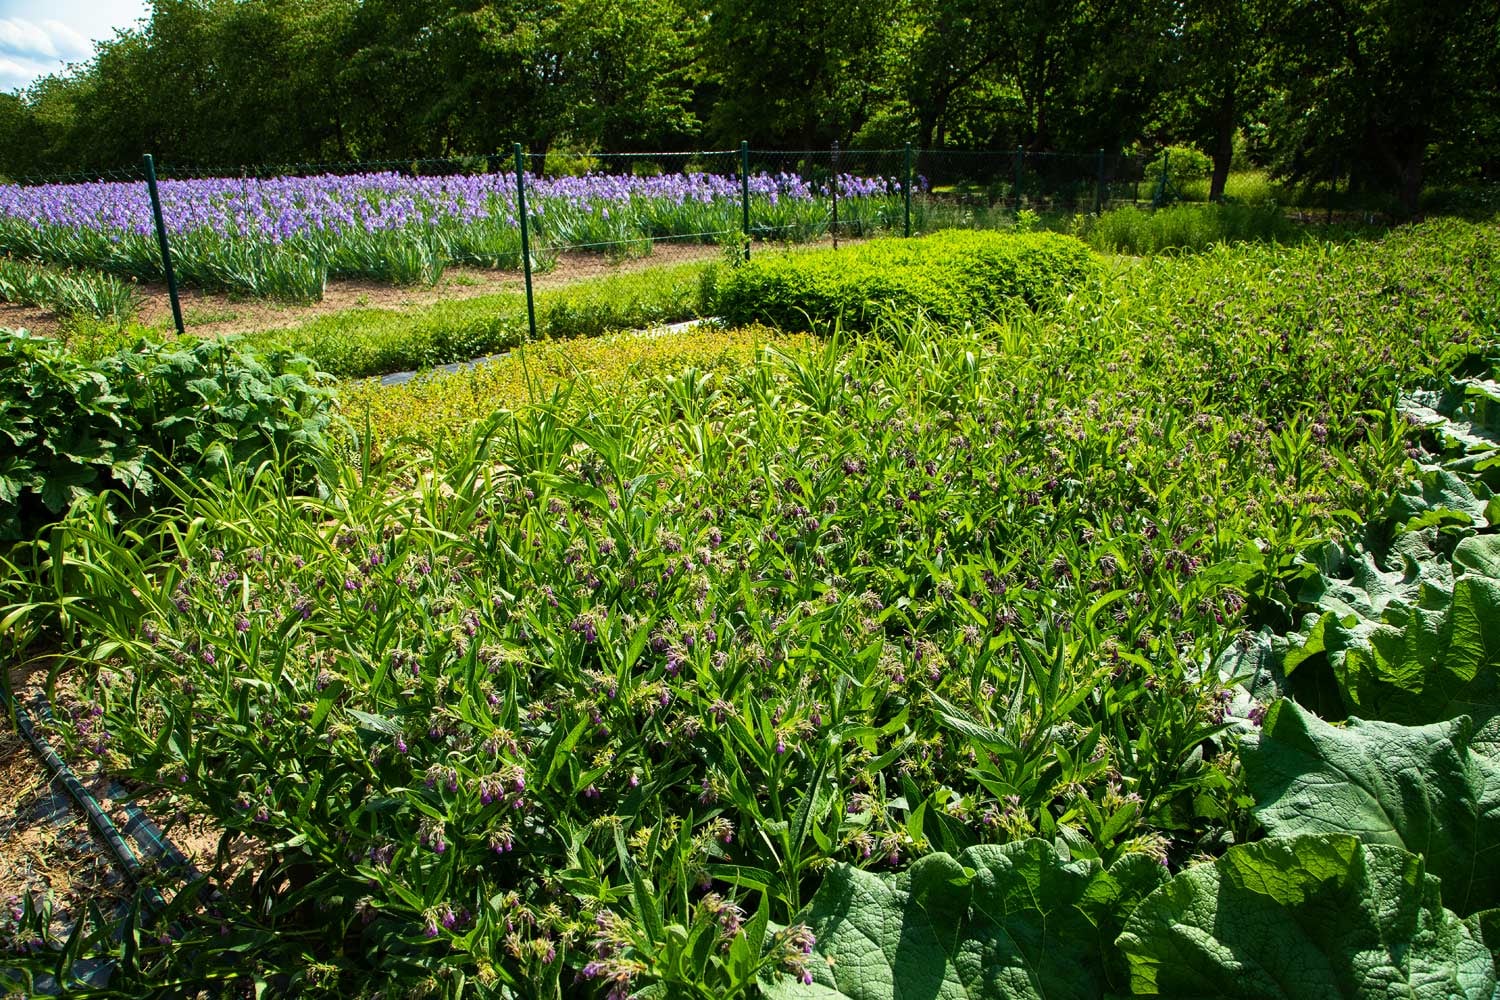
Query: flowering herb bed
x=285, y=237
x=940, y=656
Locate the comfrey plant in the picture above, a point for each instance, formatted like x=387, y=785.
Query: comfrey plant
x=680, y=691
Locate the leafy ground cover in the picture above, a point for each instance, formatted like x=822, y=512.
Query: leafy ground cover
x=947, y=656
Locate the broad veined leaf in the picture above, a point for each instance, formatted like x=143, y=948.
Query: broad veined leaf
x=1411, y=637
x=1417, y=787
x=1312, y=917
x=1435, y=665
x=1012, y=921
x=1465, y=416
x=1440, y=496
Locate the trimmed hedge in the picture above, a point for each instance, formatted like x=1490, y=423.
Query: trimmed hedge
x=952, y=277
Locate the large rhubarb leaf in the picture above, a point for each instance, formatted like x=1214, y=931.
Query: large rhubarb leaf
x=1312, y=917
x=1412, y=637
x=1012, y=921
x=1431, y=665
x=1417, y=787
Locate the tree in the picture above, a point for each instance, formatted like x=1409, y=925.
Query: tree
x=795, y=72
x=1372, y=86
x=1214, y=52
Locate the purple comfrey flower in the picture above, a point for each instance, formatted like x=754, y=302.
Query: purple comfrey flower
x=431, y=834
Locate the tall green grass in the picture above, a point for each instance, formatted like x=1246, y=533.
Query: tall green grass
x=1187, y=227
x=363, y=342
x=68, y=293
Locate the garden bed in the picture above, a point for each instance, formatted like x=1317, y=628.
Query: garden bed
x=987, y=654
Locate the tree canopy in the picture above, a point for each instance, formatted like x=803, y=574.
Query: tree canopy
x=1387, y=93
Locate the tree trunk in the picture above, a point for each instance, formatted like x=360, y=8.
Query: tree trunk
x=1223, y=143
x=1411, y=182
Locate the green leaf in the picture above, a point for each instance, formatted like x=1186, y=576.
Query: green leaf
x=1479, y=554
x=1312, y=917
x=1013, y=921
x=1433, y=666
x=1417, y=787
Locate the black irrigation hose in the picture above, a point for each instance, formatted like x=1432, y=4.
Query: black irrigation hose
x=60, y=773
x=138, y=826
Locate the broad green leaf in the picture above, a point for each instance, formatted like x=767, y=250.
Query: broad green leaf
x=1417, y=787
x=1479, y=554
x=1311, y=917
x=1011, y=921
x=1435, y=665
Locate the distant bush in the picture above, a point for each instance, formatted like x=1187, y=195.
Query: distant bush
x=1188, y=227
x=951, y=277
x=1185, y=163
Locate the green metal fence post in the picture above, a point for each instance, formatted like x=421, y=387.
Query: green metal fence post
x=745, y=194
x=525, y=239
x=161, y=238
x=1161, y=189
x=1020, y=159
x=1099, y=186
x=907, y=188
x=833, y=185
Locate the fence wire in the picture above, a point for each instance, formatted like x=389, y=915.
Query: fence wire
x=597, y=226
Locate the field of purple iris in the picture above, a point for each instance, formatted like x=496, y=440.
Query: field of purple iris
x=285, y=237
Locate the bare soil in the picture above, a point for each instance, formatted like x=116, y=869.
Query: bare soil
x=212, y=314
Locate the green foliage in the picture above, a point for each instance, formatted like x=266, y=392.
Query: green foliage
x=1371, y=89
x=206, y=406
x=443, y=403
x=1188, y=227
x=740, y=636
x=64, y=432
x=1402, y=622
x=1421, y=788
x=67, y=293
x=951, y=278
x=363, y=342
x=1013, y=920
x=1305, y=918
x=77, y=429
x=1183, y=163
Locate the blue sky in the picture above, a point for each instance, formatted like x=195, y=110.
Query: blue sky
x=40, y=36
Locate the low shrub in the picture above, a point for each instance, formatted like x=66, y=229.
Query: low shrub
x=366, y=342
x=77, y=428
x=952, y=277
x=65, y=437
x=443, y=402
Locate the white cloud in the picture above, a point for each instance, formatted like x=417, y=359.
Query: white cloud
x=38, y=37
x=69, y=43
x=20, y=37
x=18, y=73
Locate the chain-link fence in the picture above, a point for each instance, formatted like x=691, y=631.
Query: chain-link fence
x=605, y=239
